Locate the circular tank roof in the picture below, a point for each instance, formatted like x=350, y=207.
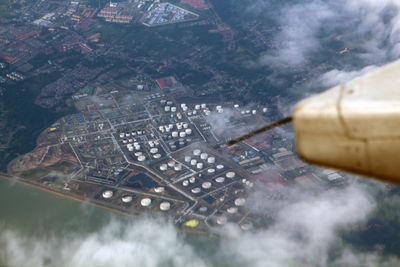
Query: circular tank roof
x=159, y=189
x=220, y=179
x=107, y=194
x=145, y=202
x=240, y=201
x=126, y=199
x=164, y=206
x=232, y=210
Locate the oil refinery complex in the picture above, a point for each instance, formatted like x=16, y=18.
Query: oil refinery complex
x=137, y=151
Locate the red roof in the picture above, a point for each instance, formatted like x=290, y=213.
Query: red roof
x=163, y=83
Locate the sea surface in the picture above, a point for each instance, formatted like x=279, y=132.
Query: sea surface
x=32, y=219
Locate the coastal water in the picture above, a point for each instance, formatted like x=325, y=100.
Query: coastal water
x=38, y=228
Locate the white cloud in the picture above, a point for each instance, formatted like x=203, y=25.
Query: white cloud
x=144, y=242
x=370, y=26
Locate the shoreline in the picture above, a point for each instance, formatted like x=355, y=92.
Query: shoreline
x=25, y=182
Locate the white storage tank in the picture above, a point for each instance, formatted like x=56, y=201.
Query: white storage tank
x=220, y=167
x=211, y=171
x=211, y=160
x=206, y=185
x=240, y=201
x=220, y=179
x=178, y=167
x=193, y=162
x=230, y=175
x=197, y=152
x=145, y=202
x=154, y=150
x=141, y=158
x=232, y=210
x=196, y=190
x=182, y=134
x=165, y=206
x=185, y=183
x=167, y=108
x=171, y=163
x=107, y=194
x=163, y=167
x=199, y=166
x=174, y=134
x=126, y=199
x=188, y=131
x=192, y=180
x=185, y=125
x=188, y=158
x=157, y=156
x=203, y=156
x=159, y=189
x=173, y=109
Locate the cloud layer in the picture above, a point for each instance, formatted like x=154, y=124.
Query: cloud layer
x=369, y=27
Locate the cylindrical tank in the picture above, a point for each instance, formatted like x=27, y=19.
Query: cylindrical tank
x=222, y=220
x=163, y=167
x=126, y=199
x=197, y=107
x=230, y=175
x=165, y=206
x=141, y=158
x=179, y=126
x=196, y=152
x=185, y=183
x=203, y=156
x=145, y=202
x=199, y=166
x=240, y=201
x=157, y=156
x=122, y=135
x=171, y=163
x=232, y=210
x=220, y=180
x=130, y=148
x=159, y=189
x=193, y=162
x=169, y=102
x=188, y=131
x=138, y=153
x=203, y=106
x=192, y=180
x=167, y=108
x=211, y=160
x=154, y=150
x=182, y=134
x=174, y=134
x=107, y=194
x=211, y=171
x=163, y=101
x=173, y=109
x=185, y=125
x=206, y=185
x=196, y=190
x=188, y=158
x=220, y=167
x=178, y=167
